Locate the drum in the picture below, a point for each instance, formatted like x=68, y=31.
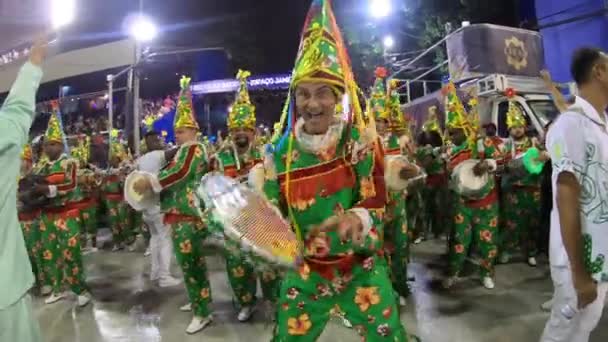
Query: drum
x=465, y=183
x=138, y=201
x=249, y=219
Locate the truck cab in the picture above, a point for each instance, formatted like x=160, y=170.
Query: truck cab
x=531, y=96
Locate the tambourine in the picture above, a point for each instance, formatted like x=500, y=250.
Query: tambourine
x=250, y=220
x=136, y=200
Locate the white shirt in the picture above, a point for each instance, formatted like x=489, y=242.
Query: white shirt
x=578, y=143
x=152, y=162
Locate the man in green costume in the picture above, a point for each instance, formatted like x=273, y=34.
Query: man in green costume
x=177, y=183
x=475, y=216
x=326, y=176
x=60, y=221
x=238, y=155
x=521, y=191
x=393, y=131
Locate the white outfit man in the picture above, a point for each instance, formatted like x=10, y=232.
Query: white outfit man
x=160, y=241
x=578, y=144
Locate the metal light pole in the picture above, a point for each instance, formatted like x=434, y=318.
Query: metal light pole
x=110, y=80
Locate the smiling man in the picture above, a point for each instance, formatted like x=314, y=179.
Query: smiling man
x=325, y=178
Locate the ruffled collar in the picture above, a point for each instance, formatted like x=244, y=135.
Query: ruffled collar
x=320, y=142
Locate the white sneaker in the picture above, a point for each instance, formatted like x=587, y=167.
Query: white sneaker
x=132, y=247
x=402, y=301
x=46, y=290
x=245, y=313
x=504, y=258
x=418, y=240
x=547, y=306
x=148, y=252
x=198, y=323
x=532, y=261
x=448, y=282
x=346, y=322
x=186, y=308
x=488, y=283
x=55, y=297
x=168, y=281
x=84, y=299
x=117, y=247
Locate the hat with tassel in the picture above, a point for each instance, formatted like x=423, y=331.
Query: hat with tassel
x=184, y=115
x=515, y=117
x=54, y=133
x=242, y=112
x=378, y=99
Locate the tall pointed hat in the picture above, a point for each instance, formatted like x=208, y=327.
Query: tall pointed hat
x=515, y=117
x=397, y=120
x=378, y=99
x=242, y=112
x=322, y=57
x=184, y=115
x=54, y=133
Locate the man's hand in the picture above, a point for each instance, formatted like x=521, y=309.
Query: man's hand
x=142, y=186
x=348, y=226
x=546, y=76
x=586, y=289
x=408, y=171
x=481, y=168
x=38, y=51
x=544, y=157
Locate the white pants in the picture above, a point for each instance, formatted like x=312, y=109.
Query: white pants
x=577, y=329
x=160, y=244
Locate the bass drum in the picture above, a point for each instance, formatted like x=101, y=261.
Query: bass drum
x=465, y=183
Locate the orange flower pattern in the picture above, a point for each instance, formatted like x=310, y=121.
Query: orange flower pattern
x=481, y=225
x=366, y=297
x=299, y=326
x=523, y=221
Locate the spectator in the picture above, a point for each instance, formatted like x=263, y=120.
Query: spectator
x=17, y=322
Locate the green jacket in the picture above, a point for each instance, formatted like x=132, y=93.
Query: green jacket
x=343, y=177
x=16, y=116
x=177, y=182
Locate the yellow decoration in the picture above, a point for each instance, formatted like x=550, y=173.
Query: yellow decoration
x=515, y=117
x=242, y=112
x=184, y=115
x=54, y=133
x=27, y=154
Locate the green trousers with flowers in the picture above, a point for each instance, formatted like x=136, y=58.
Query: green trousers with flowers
x=243, y=277
x=521, y=220
x=187, y=244
x=478, y=225
x=88, y=217
x=436, y=210
x=62, y=256
x=415, y=217
x=364, y=296
x=118, y=219
x=33, y=242
x=396, y=242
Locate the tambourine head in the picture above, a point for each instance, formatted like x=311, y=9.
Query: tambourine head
x=138, y=201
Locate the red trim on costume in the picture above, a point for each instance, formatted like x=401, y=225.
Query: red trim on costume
x=232, y=172
x=490, y=199
x=118, y=196
x=328, y=267
x=64, y=212
x=437, y=180
x=325, y=179
x=459, y=158
x=113, y=179
x=393, y=151
x=28, y=216
x=71, y=181
x=182, y=172
x=84, y=204
x=380, y=198
x=178, y=218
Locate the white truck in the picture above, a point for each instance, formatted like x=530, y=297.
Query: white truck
x=532, y=95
